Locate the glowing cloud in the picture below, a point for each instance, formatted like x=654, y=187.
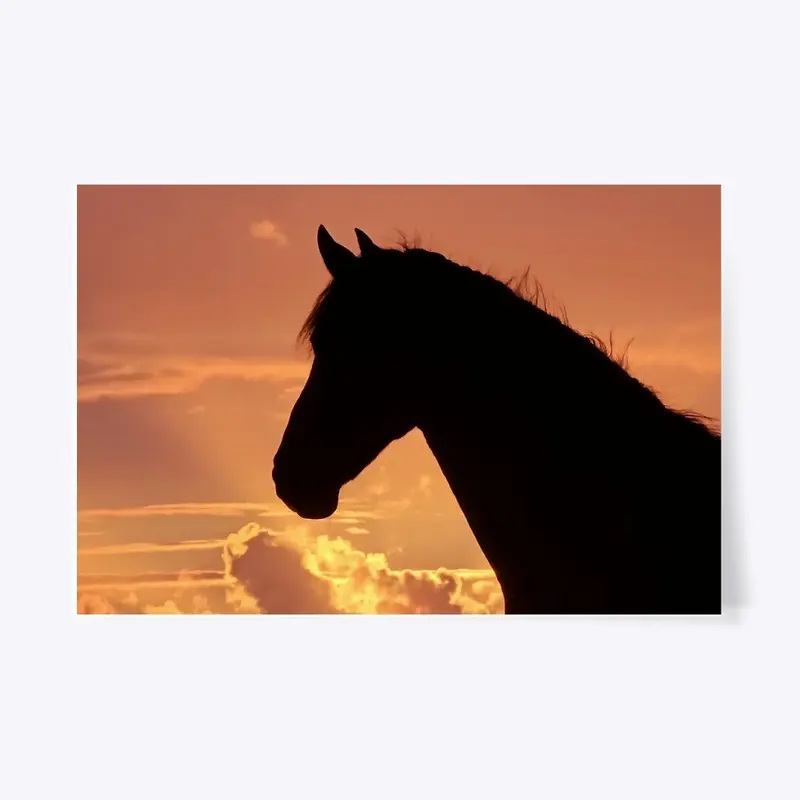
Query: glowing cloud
x=268, y=230
x=290, y=572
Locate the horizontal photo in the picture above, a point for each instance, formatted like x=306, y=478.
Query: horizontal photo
x=399, y=400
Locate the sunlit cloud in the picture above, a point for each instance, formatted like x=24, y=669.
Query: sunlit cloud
x=133, y=367
x=145, y=375
x=230, y=509
x=690, y=345
x=168, y=607
x=269, y=231
x=174, y=375
x=94, y=603
x=291, y=393
x=291, y=572
x=187, y=578
x=704, y=360
x=151, y=547
x=340, y=578
x=350, y=511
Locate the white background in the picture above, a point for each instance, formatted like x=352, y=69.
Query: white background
x=433, y=92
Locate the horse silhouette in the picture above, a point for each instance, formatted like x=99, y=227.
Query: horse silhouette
x=586, y=493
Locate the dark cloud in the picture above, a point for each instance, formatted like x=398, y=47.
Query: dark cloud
x=274, y=575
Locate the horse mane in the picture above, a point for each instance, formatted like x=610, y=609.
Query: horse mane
x=519, y=290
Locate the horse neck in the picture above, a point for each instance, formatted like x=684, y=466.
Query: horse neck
x=583, y=482
x=536, y=468
x=478, y=423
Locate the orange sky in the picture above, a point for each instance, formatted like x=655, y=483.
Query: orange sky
x=189, y=302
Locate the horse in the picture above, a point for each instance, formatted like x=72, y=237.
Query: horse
x=586, y=493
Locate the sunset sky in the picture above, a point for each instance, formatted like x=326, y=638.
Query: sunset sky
x=189, y=303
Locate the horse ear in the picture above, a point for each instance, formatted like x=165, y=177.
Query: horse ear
x=338, y=259
x=365, y=243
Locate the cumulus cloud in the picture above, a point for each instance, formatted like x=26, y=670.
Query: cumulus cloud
x=291, y=572
x=269, y=573
x=91, y=603
x=168, y=607
x=269, y=231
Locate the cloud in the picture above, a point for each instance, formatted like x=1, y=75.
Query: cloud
x=693, y=345
x=350, y=511
x=159, y=581
x=291, y=572
x=270, y=576
x=269, y=231
x=151, y=547
x=232, y=509
x=168, y=607
x=141, y=375
x=356, y=530
x=130, y=603
x=90, y=603
x=704, y=359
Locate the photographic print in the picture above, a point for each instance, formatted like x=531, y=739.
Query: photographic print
x=399, y=399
